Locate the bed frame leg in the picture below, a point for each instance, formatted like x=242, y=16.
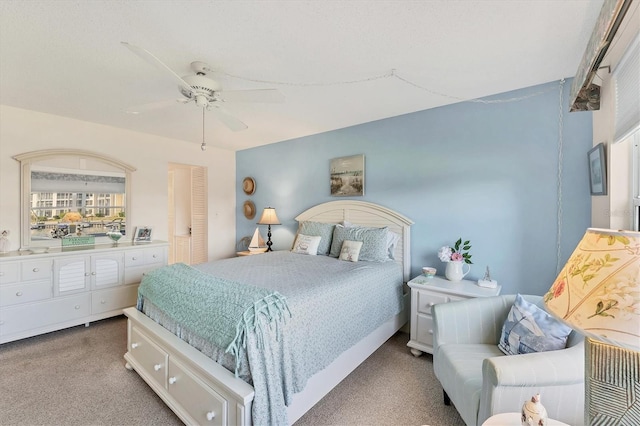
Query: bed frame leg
x=447, y=401
x=128, y=366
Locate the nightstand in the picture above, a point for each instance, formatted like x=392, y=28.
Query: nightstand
x=249, y=253
x=426, y=292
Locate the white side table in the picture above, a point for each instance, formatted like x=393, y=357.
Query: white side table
x=426, y=292
x=513, y=419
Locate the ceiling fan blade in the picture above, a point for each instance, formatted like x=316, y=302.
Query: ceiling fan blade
x=229, y=120
x=137, y=109
x=150, y=58
x=255, y=95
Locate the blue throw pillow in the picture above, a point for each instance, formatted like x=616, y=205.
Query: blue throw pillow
x=374, y=242
x=318, y=229
x=529, y=328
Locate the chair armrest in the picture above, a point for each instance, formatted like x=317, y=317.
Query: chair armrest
x=551, y=368
x=470, y=321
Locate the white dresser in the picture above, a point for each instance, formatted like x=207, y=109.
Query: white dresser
x=426, y=292
x=50, y=291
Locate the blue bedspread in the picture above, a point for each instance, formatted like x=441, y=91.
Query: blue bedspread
x=333, y=305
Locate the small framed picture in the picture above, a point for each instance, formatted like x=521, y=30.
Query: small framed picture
x=142, y=234
x=597, y=170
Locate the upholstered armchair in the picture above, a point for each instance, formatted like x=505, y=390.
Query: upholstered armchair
x=482, y=381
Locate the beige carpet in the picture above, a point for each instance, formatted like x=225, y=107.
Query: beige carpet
x=77, y=377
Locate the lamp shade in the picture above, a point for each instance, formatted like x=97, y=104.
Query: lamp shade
x=269, y=217
x=598, y=290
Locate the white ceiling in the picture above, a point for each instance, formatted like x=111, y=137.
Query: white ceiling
x=65, y=57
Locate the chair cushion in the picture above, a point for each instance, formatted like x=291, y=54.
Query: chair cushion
x=458, y=367
x=528, y=328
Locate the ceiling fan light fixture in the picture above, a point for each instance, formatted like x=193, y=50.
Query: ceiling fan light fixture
x=203, y=146
x=201, y=101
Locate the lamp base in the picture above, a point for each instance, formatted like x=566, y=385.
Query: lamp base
x=612, y=381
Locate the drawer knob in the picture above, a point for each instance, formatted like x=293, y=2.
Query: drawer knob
x=1, y=322
x=134, y=258
x=35, y=269
x=211, y=415
x=77, y=306
x=86, y=274
x=430, y=331
x=157, y=367
x=93, y=273
x=102, y=302
x=19, y=294
x=134, y=345
x=1, y=274
x=172, y=380
x=154, y=256
x=430, y=304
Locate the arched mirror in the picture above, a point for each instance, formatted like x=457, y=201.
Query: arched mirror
x=66, y=191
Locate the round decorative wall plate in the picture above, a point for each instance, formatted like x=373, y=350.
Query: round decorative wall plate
x=249, y=209
x=249, y=185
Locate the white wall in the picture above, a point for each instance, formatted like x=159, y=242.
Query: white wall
x=23, y=131
x=614, y=210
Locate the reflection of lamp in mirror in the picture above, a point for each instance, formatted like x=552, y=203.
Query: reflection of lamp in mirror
x=598, y=293
x=269, y=218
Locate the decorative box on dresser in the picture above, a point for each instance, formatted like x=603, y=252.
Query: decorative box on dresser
x=43, y=292
x=426, y=292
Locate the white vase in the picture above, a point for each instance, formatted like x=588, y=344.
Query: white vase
x=455, y=270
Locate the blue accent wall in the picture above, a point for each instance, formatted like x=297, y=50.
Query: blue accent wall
x=486, y=172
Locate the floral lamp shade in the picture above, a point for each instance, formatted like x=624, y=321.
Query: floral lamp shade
x=598, y=290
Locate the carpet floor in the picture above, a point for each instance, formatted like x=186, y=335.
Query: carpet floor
x=77, y=377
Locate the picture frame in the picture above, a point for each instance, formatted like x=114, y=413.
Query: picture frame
x=347, y=176
x=597, y=170
x=142, y=234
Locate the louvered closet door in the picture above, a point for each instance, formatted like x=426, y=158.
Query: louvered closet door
x=172, y=216
x=71, y=275
x=199, y=219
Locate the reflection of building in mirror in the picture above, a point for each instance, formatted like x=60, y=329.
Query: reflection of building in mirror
x=87, y=199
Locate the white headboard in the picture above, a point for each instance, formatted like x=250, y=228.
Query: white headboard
x=367, y=214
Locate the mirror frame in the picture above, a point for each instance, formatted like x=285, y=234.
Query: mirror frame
x=28, y=158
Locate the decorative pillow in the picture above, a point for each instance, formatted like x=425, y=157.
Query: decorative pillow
x=374, y=242
x=529, y=328
x=306, y=244
x=324, y=230
x=350, y=250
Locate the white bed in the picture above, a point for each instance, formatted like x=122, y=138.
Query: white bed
x=200, y=391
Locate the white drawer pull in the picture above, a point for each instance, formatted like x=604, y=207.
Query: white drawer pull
x=172, y=380
x=430, y=304
x=134, y=258
x=430, y=331
x=157, y=367
x=134, y=345
x=77, y=306
x=1, y=274
x=211, y=415
x=102, y=302
x=1, y=322
x=93, y=273
x=35, y=269
x=86, y=274
x=19, y=294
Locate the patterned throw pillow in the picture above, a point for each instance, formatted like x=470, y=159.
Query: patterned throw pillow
x=374, y=242
x=324, y=230
x=529, y=328
x=306, y=244
x=350, y=250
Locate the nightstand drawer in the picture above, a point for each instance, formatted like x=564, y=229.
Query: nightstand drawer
x=426, y=300
x=424, y=330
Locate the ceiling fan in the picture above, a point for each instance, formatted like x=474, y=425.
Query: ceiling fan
x=203, y=90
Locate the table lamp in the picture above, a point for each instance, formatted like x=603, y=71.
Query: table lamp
x=598, y=294
x=269, y=218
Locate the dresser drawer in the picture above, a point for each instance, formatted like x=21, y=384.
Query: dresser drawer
x=9, y=273
x=25, y=292
x=115, y=298
x=206, y=406
x=133, y=258
x=37, y=270
x=18, y=318
x=154, y=255
x=150, y=356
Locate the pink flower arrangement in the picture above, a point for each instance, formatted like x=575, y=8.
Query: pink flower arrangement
x=459, y=252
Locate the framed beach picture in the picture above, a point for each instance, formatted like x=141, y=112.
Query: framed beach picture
x=347, y=176
x=142, y=234
x=597, y=170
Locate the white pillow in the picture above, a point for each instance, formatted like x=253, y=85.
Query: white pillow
x=392, y=240
x=350, y=250
x=306, y=244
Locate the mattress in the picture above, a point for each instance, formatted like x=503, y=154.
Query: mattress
x=333, y=305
